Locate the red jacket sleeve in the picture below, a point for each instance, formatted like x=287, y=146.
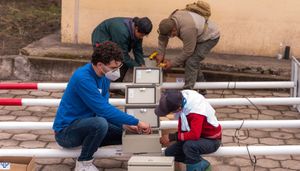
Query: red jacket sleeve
x=195, y=122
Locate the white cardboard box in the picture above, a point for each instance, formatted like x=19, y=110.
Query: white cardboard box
x=151, y=163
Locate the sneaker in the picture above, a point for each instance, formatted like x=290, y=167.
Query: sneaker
x=85, y=166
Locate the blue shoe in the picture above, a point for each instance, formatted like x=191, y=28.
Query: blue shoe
x=203, y=165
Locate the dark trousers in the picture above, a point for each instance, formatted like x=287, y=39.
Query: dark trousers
x=123, y=71
x=91, y=133
x=192, y=69
x=189, y=152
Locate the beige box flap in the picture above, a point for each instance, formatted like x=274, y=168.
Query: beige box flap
x=151, y=161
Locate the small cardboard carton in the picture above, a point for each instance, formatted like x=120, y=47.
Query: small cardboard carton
x=17, y=164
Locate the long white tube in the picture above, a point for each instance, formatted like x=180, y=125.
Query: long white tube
x=55, y=102
x=213, y=102
x=198, y=85
x=117, y=152
x=170, y=124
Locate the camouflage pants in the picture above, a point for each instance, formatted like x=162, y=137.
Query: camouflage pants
x=193, y=71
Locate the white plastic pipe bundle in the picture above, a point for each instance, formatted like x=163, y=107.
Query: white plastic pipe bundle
x=170, y=124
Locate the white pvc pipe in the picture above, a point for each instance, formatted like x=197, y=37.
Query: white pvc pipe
x=170, y=124
x=233, y=85
x=55, y=102
x=198, y=85
x=52, y=86
x=117, y=152
x=248, y=124
x=213, y=102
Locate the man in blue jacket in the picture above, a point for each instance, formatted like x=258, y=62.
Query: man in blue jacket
x=84, y=116
x=128, y=33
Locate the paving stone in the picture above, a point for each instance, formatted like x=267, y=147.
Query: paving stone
x=243, y=92
x=4, y=136
x=57, y=95
x=271, y=112
x=290, y=113
x=28, y=118
x=248, y=111
x=268, y=163
x=239, y=116
x=4, y=92
x=33, y=144
x=279, y=108
x=271, y=141
x=60, y=167
x=47, y=119
x=250, y=141
x=297, y=136
x=16, y=131
x=24, y=137
x=21, y=113
x=223, y=167
x=44, y=114
x=48, y=161
x=238, y=107
x=297, y=130
x=292, y=141
x=281, y=94
x=4, y=112
x=42, y=132
x=53, y=145
x=263, y=93
x=69, y=161
x=227, y=139
x=281, y=169
x=228, y=132
x=238, y=161
x=212, y=96
x=221, y=115
x=265, y=117
x=18, y=92
x=258, y=134
x=290, y=164
x=279, y=157
x=295, y=157
x=25, y=96
x=47, y=138
x=7, y=118
x=215, y=160
x=39, y=93
x=250, y=168
x=108, y=163
x=8, y=143
x=7, y=96
x=257, y=107
x=226, y=110
x=281, y=135
x=14, y=108
x=223, y=91
x=232, y=96
x=38, y=108
x=285, y=117
x=52, y=109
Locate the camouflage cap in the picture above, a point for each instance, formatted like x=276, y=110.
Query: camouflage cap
x=165, y=26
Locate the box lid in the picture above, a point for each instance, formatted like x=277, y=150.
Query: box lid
x=147, y=75
x=151, y=161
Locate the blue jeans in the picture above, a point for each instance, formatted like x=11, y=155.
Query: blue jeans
x=189, y=152
x=91, y=133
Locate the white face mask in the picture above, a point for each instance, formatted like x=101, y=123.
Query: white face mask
x=113, y=75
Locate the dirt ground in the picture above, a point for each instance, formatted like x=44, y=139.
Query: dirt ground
x=24, y=21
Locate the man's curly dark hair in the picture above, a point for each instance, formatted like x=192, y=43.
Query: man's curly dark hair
x=105, y=52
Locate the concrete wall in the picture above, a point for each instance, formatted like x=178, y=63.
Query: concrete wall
x=253, y=27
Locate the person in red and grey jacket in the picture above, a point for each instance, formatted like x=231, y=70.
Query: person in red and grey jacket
x=199, y=131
